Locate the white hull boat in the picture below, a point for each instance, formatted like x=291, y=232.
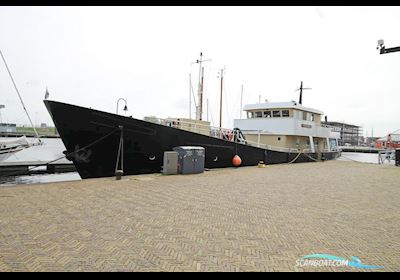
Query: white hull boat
x=10, y=147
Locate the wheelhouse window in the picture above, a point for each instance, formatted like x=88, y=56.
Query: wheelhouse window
x=276, y=114
x=285, y=113
x=267, y=114
x=258, y=114
x=250, y=115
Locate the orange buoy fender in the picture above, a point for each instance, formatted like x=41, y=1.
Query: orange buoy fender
x=236, y=161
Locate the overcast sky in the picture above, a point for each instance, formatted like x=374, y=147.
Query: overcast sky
x=91, y=56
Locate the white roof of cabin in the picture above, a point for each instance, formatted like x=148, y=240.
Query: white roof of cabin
x=280, y=105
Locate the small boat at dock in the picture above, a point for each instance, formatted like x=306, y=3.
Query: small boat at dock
x=10, y=147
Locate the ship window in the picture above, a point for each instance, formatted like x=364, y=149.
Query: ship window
x=305, y=116
x=259, y=114
x=312, y=117
x=279, y=138
x=276, y=114
x=250, y=115
x=267, y=114
x=300, y=115
x=285, y=113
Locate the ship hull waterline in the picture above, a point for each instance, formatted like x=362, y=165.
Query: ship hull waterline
x=145, y=143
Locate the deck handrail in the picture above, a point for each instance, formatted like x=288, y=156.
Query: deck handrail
x=220, y=132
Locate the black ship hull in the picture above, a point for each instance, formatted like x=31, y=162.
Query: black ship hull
x=145, y=143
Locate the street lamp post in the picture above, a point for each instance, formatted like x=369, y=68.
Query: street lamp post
x=126, y=106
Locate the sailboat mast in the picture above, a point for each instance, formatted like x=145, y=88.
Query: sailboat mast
x=16, y=89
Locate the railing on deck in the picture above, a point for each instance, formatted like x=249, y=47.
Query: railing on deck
x=220, y=133
x=217, y=132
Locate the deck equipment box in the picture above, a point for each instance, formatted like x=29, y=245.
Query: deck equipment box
x=190, y=159
x=170, y=163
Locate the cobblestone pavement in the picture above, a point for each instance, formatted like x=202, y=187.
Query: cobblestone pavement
x=244, y=219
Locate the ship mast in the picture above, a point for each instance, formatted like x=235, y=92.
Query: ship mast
x=220, y=103
x=301, y=92
x=199, y=106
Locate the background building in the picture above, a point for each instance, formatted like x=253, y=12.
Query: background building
x=392, y=140
x=8, y=127
x=371, y=141
x=349, y=134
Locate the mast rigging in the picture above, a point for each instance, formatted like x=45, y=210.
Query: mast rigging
x=16, y=89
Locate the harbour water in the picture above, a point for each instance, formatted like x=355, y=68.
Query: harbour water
x=362, y=157
x=39, y=178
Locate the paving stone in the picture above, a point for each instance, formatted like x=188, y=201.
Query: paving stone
x=234, y=219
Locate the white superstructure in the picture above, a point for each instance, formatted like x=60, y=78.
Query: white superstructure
x=287, y=125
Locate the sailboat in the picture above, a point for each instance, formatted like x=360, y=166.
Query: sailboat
x=10, y=147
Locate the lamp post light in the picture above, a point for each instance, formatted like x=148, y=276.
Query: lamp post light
x=125, y=107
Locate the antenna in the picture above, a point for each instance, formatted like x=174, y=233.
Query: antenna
x=301, y=92
x=16, y=89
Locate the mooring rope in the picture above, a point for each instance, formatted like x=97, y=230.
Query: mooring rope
x=310, y=157
x=81, y=149
x=292, y=161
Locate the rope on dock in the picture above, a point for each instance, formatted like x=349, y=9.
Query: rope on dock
x=310, y=157
x=81, y=149
x=295, y=158
x=292, y=161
